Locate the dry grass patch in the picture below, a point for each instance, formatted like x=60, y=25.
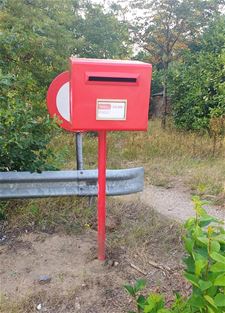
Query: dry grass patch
x=165, y=155
x=142, y=229
x=66, y=214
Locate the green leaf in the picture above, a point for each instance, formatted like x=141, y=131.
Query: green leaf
x=200, y=263
x=220, y=299
x=190, y=264
x=130, y=290
x=192, y=279
x=203, y=240
x=190, y=223
x=204, y=285
x=210, y=310
x=220, y=238
x=149, y=308
x=196, y=301
x=141, y=301
x=210, y=300
x=220, y=280
x=154, y=301
x=189, y=244
x=214, y=246
x=140, y=285
x=212, y=291
x=206, y=220
x=217, y=257
x=217, y=267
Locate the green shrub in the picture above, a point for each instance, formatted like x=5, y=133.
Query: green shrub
x=205, y=269
x=25, y=130
x=196, y=84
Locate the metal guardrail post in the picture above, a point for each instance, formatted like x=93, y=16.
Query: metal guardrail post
x=79, y=151
x=79, y=159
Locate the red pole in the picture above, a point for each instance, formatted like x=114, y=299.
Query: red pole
x=101, y=193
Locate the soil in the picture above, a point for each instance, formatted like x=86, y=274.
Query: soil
x=174, y=202
x=141, y=244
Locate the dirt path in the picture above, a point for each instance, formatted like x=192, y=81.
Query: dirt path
x=174, y=203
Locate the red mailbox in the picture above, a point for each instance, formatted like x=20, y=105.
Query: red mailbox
x=101, y=95
x=109, y=94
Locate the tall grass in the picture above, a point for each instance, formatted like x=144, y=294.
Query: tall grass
x=165, y=154
x=168, y=156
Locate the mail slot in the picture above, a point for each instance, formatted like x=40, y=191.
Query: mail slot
x=109, y=94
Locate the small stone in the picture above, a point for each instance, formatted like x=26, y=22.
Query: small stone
x=116, y=263
x=110, y=262
x=77, y=304
x=39, y=307
x=44, y=279
x=3, y=238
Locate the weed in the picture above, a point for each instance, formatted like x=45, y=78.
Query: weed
x=3, y=210
x=204, y=243
x=68, y=214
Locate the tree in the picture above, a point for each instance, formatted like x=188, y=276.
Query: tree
x=197, y=84
x=37, y=37
x=104, y=36
x=167, y=29
x=35, y=43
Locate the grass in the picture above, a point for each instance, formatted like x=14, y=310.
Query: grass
x=61, y=214
x=165, y=155
x=168, y=156
x=141, y=227
x=29, y=303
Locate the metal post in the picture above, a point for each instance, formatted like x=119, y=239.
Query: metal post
x=101, y=193
x=79, y=151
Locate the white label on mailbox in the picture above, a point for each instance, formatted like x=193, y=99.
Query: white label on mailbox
x=111, y=109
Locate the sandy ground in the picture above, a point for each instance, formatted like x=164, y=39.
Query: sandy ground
x=69, y=261
x=174, y=202
x=79, y=282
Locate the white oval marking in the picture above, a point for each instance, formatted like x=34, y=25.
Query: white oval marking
x=63, y=101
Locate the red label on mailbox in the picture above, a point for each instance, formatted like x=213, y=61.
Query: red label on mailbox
x=110, y=110
x=104, y=106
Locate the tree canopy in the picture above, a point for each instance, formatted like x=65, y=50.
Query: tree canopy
x=185, y=41
x=170, y=27
x=197, y=84
x=37, y=37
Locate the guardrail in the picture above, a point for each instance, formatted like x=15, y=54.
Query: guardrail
x=69, y=183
